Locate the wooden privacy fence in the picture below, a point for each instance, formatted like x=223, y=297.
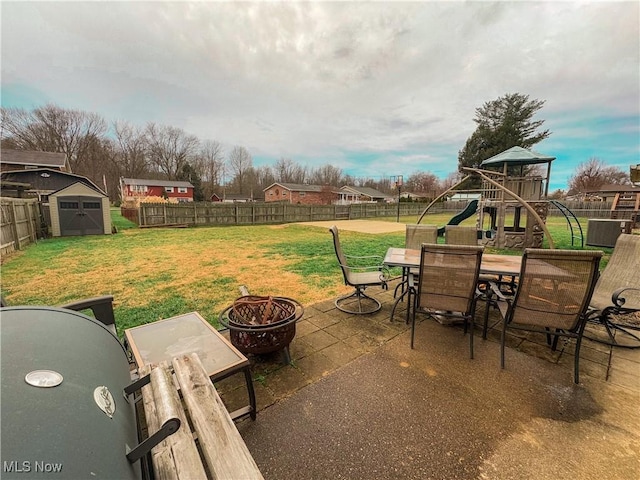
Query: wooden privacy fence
x=202, y=213
x=206, y=213
x=19, y=224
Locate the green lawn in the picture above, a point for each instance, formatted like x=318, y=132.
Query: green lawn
x=158, y=273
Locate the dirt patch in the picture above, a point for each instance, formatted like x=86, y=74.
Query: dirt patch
x=362, y=226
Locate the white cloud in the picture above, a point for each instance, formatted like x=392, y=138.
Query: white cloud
x=319, y=79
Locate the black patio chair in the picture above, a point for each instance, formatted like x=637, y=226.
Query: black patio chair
x=359, y=272
x=447, y=284
x=552, y=296
x=415, y=236
x=101, y=307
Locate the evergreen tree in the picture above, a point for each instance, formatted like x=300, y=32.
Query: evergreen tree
x=502, y=123
x=188, y=174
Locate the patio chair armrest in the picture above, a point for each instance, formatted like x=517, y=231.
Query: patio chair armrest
x=361, y=267
x=619, y=301
x=102, y=308
x=359, y=257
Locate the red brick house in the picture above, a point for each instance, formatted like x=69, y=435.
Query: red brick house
x=300, y=194
x=132, y=188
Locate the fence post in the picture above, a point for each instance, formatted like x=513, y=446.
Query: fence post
x=30, y=227
x=37, y=213
x=14, y=226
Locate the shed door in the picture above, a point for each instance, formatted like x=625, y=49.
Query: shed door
x=80, y=216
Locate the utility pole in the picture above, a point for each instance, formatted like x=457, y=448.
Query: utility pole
x=397, y=182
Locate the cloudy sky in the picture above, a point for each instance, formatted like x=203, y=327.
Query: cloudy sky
x=376, y=89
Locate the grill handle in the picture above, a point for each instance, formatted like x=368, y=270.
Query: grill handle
x=169, y=427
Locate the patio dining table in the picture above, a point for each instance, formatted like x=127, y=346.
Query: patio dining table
x=492, y=264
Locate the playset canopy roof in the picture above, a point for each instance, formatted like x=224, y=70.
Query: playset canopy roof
x=516, y=156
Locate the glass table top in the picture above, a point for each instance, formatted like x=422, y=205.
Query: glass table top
x=190, y=333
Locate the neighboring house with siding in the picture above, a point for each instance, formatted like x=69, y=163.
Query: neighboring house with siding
x=607, y=193
x=30, y=159
x=135, y=188
x=350, y=194
x=300, y=194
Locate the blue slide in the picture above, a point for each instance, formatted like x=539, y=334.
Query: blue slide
x=469, y=210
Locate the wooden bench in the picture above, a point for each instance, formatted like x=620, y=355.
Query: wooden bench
x=207, y=443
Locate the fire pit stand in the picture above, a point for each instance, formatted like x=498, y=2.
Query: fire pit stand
x=262, y=325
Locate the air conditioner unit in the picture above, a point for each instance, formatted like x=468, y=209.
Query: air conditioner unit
x=605, y=232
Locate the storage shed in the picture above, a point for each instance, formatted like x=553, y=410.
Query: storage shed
x=79, y=210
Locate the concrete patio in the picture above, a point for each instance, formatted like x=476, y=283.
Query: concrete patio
x=358, y=403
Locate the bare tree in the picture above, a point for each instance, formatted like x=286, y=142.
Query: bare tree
x=210, y=164
x=53, y=129
x=264, y=177
x=423, y=182
x=326, y=175
x=593, y=174
x=287, y=171
x=239, y=162
x=130, y=150
x=170, y=148
x=450, y=181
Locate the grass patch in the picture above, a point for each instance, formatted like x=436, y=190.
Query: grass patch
x=159, y=273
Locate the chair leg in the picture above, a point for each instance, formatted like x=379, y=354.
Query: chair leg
x=412, y=303
x=395, y=304
x=488, y=304
x=554, y=344
x=358, y=295
x=576, y=361
x=502, y=342
x=471, y=336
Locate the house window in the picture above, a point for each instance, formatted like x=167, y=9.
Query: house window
x=168, y=189
x=271, y=194
x=182, y=189
x=302, y=194
x=284, y=194
x=139, y=188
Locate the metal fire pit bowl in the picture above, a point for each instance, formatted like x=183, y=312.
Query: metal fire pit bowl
x=260, y=325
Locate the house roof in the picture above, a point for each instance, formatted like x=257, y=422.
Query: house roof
x=27, y=176
x=365, y=191
x=33, y=158
x=297, y=187
x=613, y=188
x=516, y=156
x=82, y=184
x=156, y=183
x=237, y=196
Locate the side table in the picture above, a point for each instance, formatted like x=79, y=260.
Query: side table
x=190, y=333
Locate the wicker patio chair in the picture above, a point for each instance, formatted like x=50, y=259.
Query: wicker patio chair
x=552, y=296
x=359, y=272
x=447, y=284
x=617, y=297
